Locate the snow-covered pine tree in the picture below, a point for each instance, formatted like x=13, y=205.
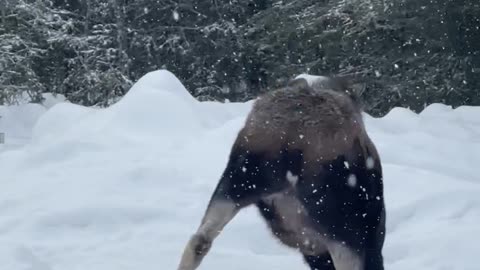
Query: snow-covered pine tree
x=21, y=37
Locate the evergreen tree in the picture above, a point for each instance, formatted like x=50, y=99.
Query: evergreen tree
x=406, y=53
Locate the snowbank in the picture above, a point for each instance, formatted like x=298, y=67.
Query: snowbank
x=124, y=187
x=16, y=122
x=19, y=119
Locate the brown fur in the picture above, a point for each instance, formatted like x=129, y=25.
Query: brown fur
x=321, y=122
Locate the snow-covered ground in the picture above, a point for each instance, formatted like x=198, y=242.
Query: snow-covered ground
x=124, y=187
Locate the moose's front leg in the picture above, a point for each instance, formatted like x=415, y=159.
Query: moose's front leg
x=247, y=177
x=218, y=214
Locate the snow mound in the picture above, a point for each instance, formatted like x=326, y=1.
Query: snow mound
x=17, y=122
x=125, y=186
x=158, y=107
x=50, y=100
x=157, y=104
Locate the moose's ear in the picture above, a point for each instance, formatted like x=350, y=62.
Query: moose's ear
x=341, y=83
x=350, y=84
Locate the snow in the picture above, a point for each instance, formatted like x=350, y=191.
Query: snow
x=352, y=180
x=125, y=187
x=291, y=178
x=19, y=119
x=176, y=16
x=311, y=79
x=370, y=163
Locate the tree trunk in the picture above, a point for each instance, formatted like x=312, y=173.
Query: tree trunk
x=4, y=5
x=88, y=12
x=119, y=9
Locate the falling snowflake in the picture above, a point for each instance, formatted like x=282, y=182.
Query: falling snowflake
x=370, y=163
x=176, y=16
x=292, y=178
x=352, y=180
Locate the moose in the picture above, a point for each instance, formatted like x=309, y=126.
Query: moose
x=305, y=160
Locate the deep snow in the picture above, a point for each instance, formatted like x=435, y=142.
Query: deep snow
x=124, y=187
